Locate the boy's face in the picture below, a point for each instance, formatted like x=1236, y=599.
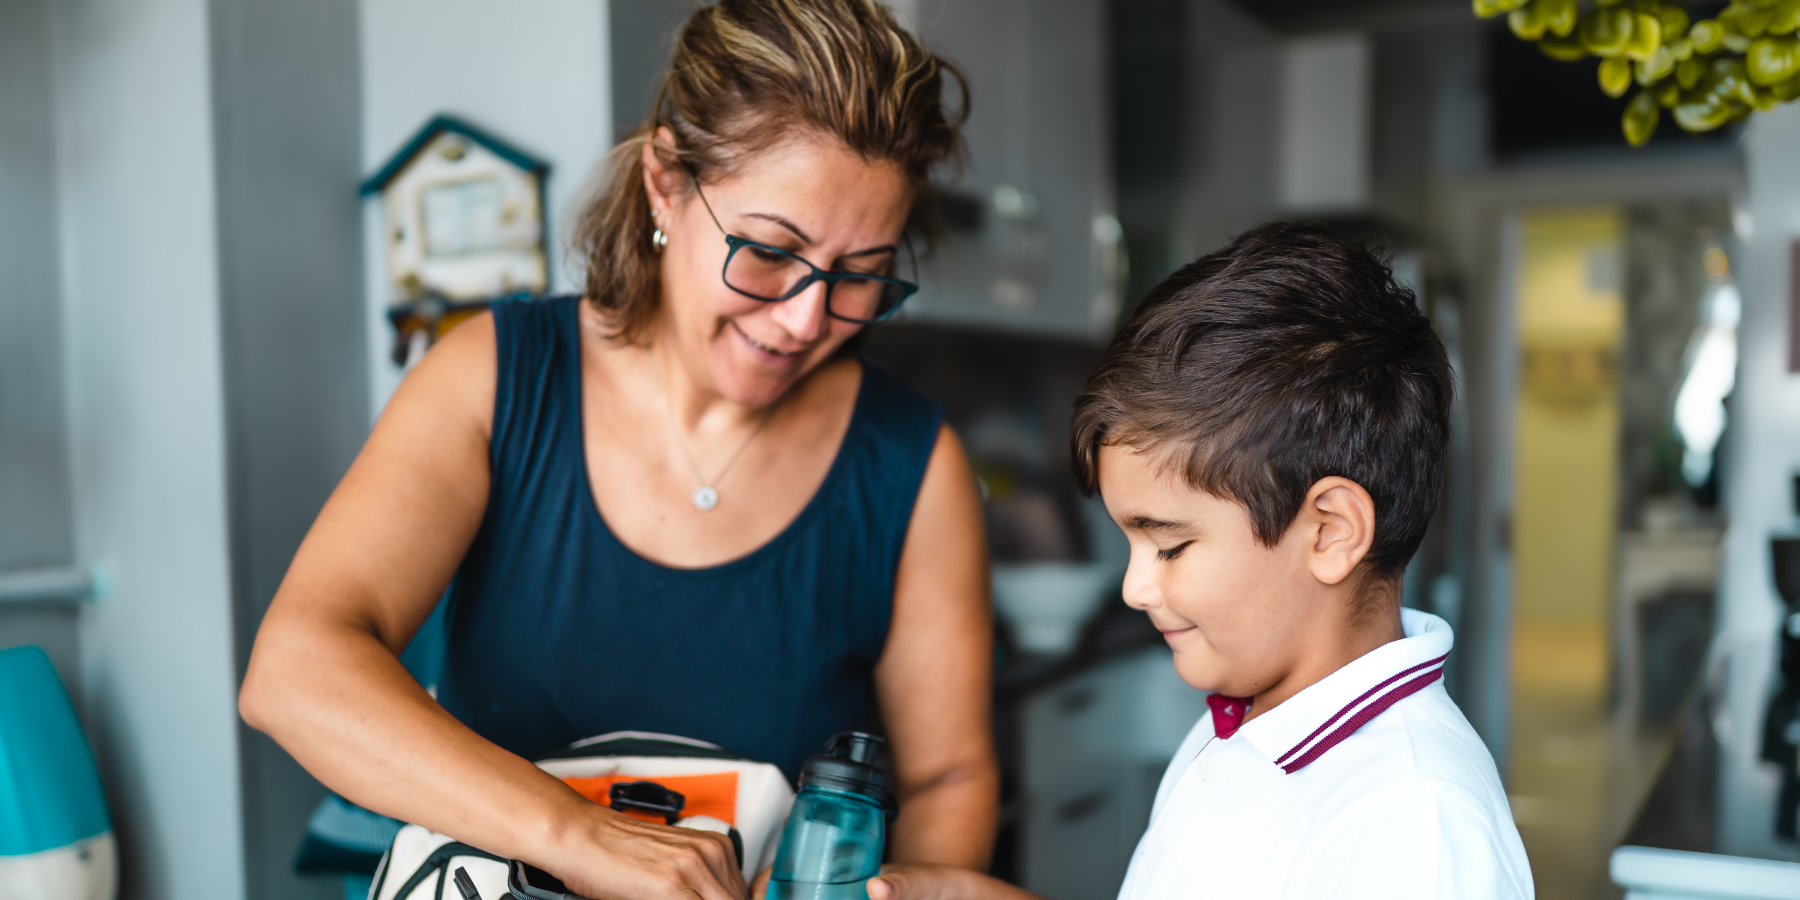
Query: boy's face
x=1238, y=614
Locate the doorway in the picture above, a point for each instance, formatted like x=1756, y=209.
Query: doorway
x=1614, y=541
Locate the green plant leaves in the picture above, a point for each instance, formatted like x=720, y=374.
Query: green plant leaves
x=1615, y=76
x=1786, y=19
x=1704, y=113
x=1656, y=68
x=1707, y=73
x=1566, y=49
x=1641, y=116
x=1488, y=9
x=1674, y=21
x=1540, y=17
x=1708, y=35
x=1688, y=72
x=1646, y=37
x=1605, y=30
x=1772, y=60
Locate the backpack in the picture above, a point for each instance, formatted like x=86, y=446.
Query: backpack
x=681, y=781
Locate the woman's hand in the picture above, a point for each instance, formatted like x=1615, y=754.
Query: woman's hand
x=616, y=857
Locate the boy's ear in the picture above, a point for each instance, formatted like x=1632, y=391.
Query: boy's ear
x=1340, y=519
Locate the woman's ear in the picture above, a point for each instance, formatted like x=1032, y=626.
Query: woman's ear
x=1343, y=518
x=662, y=181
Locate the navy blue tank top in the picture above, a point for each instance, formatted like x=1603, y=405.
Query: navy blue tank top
x=557, y=631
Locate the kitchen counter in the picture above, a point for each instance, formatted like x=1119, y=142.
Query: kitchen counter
x=1677, y=849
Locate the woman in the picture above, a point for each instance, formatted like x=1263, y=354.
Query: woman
x=677, y=504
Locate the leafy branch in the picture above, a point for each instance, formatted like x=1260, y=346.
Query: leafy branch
x=1706, y=74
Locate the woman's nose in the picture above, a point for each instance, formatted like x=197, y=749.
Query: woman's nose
x=803, y=315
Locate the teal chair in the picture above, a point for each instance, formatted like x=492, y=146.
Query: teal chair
x=56, y=841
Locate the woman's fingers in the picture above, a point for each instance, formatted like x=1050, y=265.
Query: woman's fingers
x=621, y=858
x=760, y=887
x=717, y=863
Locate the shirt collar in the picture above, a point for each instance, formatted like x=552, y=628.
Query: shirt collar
x=1320, y=717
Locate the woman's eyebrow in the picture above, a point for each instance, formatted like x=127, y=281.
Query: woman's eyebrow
x=783, y=223
x=884, y=248
x=805, y=239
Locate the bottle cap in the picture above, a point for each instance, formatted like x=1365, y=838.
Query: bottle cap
x=849, y=765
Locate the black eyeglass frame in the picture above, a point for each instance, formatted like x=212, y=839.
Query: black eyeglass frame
x=831, y=278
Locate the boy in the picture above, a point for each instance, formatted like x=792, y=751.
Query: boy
x=1269, y=430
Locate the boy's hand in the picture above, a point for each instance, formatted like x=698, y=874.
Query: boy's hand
x=916, y=882
x=919, y=882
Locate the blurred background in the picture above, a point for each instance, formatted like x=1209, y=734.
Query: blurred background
x=195, y=336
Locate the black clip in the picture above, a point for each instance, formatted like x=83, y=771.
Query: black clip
x=466, y=885
x=648, y=797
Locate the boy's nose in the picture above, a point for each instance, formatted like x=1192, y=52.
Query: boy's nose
x=1140, y=590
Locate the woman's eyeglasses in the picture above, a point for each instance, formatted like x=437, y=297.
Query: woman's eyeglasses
x=771, y=275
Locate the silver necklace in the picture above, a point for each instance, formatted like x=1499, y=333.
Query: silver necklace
x=706, y=496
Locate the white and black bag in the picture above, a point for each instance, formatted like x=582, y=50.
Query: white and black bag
x=660, y=777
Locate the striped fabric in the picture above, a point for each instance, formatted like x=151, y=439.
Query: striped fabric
x=1372, y=703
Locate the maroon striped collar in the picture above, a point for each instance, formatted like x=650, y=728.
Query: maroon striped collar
x=1310, y=723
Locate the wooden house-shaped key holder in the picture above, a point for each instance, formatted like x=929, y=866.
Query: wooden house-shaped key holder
x=465, y=226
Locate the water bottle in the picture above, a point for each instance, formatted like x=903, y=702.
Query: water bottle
x=831, y=845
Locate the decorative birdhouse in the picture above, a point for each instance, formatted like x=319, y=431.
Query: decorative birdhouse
x=465, y=226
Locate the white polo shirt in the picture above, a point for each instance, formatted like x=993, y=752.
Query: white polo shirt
x=1369, y=783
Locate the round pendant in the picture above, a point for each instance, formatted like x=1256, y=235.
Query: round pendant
x=705, y=498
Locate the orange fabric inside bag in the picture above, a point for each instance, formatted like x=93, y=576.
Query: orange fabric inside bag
x=714, y=794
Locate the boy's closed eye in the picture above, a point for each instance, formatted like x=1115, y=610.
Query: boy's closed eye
x=1169, y=553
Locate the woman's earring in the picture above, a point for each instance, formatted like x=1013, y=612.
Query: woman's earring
x=659, y=240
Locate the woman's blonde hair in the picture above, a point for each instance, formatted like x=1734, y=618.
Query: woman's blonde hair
x=745, y=76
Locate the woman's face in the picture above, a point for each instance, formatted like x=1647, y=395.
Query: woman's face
x=810, y=197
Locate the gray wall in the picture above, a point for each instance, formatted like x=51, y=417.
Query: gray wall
x=286, y=139
x=139, y=276
x=34, y=476
x=535, y=73
x=1231, y=129
x=641, y=34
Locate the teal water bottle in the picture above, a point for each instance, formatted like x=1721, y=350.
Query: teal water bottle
x=831, y=845
x=56, y=839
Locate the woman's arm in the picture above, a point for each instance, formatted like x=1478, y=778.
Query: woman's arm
x=325, y=679
x=935, y=674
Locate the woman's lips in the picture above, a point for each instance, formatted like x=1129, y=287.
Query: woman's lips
x=773, y=355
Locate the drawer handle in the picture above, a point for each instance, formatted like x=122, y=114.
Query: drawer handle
x=1076, y=701
x=1081, y=807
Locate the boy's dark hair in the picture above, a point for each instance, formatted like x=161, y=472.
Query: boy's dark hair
x=1287, y=357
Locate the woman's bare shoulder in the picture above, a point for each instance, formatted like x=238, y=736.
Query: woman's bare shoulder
x=456, y=379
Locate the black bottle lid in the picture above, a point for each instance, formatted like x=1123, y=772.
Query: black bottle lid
x=849, y=765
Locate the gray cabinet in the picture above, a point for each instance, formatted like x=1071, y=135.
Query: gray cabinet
x=1040, y=249
x=1094, y=749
